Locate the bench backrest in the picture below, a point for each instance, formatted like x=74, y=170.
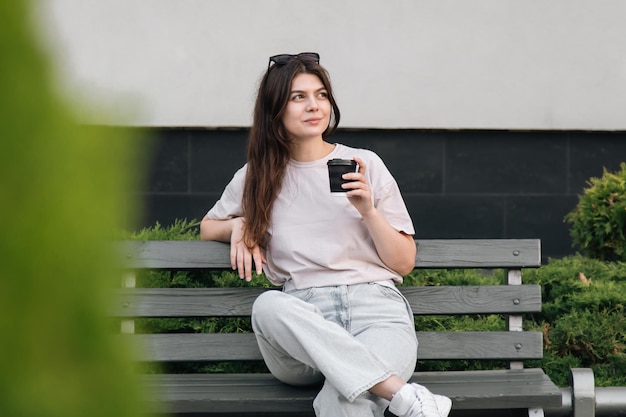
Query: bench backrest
x=512, y=299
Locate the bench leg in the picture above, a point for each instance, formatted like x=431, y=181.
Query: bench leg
x=583, y=392
x=535, y=412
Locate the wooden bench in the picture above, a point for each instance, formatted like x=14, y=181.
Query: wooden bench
x=514, y=388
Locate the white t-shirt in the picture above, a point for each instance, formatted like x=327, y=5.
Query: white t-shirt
x=317, y=239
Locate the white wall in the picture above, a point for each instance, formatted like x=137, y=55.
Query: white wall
x=510, y=64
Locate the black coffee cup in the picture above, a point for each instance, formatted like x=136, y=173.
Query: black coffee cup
x=336, y=168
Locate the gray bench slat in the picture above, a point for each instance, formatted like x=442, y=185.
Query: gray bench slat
x=432, y=345
x=478, y=253
x=470, y=299
x=216, y=302
x=480, y=345
x=499, y=389
x=184, y=302
x=434, y=253
x=176, y=255
x=227, y=393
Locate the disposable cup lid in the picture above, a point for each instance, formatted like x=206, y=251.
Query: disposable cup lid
x=338, y=161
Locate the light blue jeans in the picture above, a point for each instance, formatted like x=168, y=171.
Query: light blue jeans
x=351, y=337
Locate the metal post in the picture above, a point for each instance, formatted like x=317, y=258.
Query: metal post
x=127, y=326
x=583, y=392
x=514, y=277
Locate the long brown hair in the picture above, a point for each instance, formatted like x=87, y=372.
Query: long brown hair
x=269, y=147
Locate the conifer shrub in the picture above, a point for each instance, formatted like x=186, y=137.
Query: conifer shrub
x=583, y=317
x=598, y=222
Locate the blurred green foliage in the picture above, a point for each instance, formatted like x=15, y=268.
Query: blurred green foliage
x=62, y=188
x=582, y=319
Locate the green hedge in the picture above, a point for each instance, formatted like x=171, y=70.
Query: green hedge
x=582, y=319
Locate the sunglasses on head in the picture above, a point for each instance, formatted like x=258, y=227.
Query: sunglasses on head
x=284, y=59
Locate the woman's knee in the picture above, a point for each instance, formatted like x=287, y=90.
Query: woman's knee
x=271, y=307
x=267, y=304
x=276, y=311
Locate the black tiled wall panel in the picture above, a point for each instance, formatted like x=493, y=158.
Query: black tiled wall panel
x=457, y=184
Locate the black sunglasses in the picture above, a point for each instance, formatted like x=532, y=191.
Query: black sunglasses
x=284, y=59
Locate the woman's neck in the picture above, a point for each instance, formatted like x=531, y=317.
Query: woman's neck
x=311, y=150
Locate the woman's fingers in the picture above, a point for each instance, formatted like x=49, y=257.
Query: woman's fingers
x=245, y=261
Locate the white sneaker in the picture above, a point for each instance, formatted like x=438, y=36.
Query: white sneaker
x=442, y=404
x=414, y=400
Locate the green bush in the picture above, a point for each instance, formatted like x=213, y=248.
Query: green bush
x=599, y=220
x=181, y=229
x=63, y=189
x=582, y=319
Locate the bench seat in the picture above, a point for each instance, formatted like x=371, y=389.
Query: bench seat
x=469, y=390
x=517, y=388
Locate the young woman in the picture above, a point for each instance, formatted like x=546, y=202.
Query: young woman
x=339, y=318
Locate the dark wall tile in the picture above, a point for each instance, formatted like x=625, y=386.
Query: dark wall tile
x=506, y=162
x=415, y=159
x=168, y=166
x=200, y=204
x=451, y=217
x=541, y=217
x=164, y=209
x=215, y=156
x=592, y=151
